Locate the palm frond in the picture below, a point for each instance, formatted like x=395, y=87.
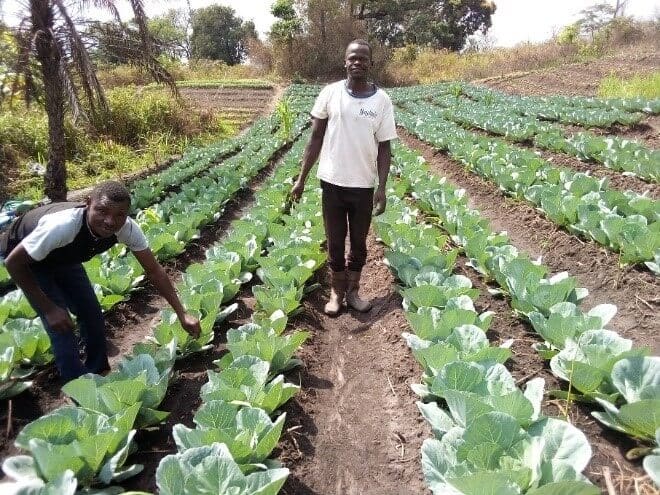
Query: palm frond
x=70, y=92
x=108, y=5
x=80, y=58
x=22, y=67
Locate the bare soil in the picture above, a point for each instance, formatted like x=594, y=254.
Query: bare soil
x=354, y=428
x=240, y=106
x=579, y=79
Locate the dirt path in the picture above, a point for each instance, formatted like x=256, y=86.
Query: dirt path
x=354, y=429
x=633, y=290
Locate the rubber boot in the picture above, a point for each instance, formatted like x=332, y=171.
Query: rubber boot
x=352, y=297
x=337, y=291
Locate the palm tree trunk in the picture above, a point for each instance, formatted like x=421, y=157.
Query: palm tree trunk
x=49, y=56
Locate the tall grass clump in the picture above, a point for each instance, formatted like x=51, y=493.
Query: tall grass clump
x=143, y=128
x=413, y=65
x=135, y=114
x=646, y=86
x=24, y=137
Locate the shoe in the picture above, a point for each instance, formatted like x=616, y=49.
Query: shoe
x=337, y=291
x=352, y=297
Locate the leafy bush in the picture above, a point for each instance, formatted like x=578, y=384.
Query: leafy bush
x=134, y=114
x=25, y=132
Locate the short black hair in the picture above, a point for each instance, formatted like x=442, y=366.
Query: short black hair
x=114, y=190
x=362, y=42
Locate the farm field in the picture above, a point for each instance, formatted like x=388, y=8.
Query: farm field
x=238, y=106
x=523, y=389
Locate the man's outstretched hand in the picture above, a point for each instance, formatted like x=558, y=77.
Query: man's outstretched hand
x=297, y=190
x=379, y=201
x=191, y=325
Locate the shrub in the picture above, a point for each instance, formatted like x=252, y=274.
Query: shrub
x=24, y=133
x=136, y=113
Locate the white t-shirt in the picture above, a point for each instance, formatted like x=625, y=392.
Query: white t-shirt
x=60, y=228
x=355, y=127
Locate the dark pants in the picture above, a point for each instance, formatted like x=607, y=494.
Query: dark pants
x=69, y=287
x=346, y=210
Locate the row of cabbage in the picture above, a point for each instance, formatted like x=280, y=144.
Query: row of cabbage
x=600, y=366
x=168, y=226
x=195, y=161
x=581, y=111
x=488, y=434
x=129, y=397
x=238, y=426
x=625, y=222
x=495, y=116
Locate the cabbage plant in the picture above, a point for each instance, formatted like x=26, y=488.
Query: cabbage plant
x=637, y=379
x=90, y=444
x=492, y=449
x=245, y=382
x=140, y=379
x=263, y=342
x=29, y=340
x=211, y=469
x=11, y=377
x=248, y=432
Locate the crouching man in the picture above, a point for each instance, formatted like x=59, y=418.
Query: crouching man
x=44, y=250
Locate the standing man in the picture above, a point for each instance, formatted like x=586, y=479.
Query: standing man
x=352, y=126
x=45, y=249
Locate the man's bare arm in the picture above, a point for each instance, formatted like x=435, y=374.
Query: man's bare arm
x=18, y=265
x=157, y=276
x=312, y=151
x=383, y=162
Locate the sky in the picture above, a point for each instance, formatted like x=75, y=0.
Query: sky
x=515, y=21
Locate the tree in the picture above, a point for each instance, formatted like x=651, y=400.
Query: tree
x=435, y=23
x=49, y=33
x=595, y=18
x=620, y=8
x=218, y=34
x=288, y=24
x=170, y=32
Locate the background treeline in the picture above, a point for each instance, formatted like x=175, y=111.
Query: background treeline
x=91, y=102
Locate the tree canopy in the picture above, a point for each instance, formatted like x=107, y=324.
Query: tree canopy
x=218, y=34
x=436, y=23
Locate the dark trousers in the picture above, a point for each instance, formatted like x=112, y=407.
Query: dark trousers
x=346, y=210
x=69, y=287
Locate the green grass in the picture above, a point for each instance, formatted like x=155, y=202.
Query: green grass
x=647, y=86
x=109, y=160
x=141, y=129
